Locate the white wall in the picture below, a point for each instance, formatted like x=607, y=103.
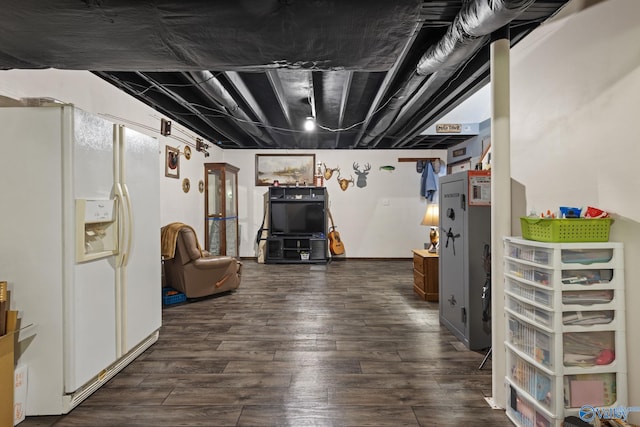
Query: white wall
x=575, y=100
x=381, y=220
x=93, y=94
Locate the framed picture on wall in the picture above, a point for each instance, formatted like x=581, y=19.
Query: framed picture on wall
x=171, y=162
x=285, y=169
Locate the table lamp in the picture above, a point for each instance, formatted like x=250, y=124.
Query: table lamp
x=431, y=219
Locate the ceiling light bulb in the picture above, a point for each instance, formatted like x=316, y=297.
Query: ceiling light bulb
x=309, y=124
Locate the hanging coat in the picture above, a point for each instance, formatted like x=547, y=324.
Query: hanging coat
x=428, y=182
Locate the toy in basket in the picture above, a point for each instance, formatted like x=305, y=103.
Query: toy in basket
x=560, y=230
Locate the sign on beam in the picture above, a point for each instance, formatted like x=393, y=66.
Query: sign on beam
x=448, y=128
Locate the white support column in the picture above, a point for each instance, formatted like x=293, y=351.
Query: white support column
x=500, y=202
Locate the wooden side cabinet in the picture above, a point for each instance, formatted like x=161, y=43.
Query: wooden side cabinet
x=221, y=209
x=425, y=274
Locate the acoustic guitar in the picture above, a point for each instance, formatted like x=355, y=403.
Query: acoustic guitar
x=336, y=247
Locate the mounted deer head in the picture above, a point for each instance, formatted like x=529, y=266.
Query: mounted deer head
x=344, y=182
x=328, y=172
x=362, y=176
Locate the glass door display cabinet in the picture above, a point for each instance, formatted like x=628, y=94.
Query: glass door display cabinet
x=221, y=209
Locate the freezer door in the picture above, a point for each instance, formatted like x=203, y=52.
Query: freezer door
x=141, y=274
x=89, y=287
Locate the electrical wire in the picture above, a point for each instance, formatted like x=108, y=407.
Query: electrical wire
x=152, y=129
x=225, y=114
x=213, y=76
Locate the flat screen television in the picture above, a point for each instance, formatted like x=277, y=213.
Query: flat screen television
x=299, y=218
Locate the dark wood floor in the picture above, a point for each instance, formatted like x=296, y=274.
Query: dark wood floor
x=343, y=344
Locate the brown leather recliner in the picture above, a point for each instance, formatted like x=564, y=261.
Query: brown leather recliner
x=195, y=273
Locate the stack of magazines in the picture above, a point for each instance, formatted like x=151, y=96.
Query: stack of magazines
x=600, y=317
x=587, y=297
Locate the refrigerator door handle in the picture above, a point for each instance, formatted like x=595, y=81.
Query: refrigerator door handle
x=120, y=199
x=129, y=225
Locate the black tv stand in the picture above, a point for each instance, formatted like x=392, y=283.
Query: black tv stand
x=294, y=247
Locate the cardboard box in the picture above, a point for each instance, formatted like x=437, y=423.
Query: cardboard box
x=7, y=363
x=6, y=379
x=20, y=394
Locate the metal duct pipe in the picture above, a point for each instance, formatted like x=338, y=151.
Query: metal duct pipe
x=209, y=84
x=432, y=85
x=475, y=19
x=466, y=34
x=390, y=112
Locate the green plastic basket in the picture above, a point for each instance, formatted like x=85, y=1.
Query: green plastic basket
x=566, y=230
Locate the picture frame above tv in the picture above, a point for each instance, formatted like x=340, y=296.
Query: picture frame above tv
x=286, y=169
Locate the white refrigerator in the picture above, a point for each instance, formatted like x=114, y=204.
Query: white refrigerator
x=79, y=247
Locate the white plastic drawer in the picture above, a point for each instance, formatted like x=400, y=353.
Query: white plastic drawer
x=540, y=386
x=542, y=256
x=595, y=390
x=587, y=277
x=588, y=349
x=538, y=275
x=531, y=341
x=586, y=256
x=588, y=318
x=532, y=293
x=536, y=314
x=587, y=297
x=524, y=412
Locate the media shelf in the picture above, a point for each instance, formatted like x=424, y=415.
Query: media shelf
x=565, y=329
x=288, y=194
x=297, y=225
x=296, y=250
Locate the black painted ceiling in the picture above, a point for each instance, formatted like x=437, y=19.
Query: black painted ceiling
x=245, y=74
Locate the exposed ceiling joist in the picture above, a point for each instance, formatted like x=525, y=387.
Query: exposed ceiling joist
x=373, y=73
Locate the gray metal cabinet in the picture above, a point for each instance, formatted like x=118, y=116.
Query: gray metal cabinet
x=465, y=233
